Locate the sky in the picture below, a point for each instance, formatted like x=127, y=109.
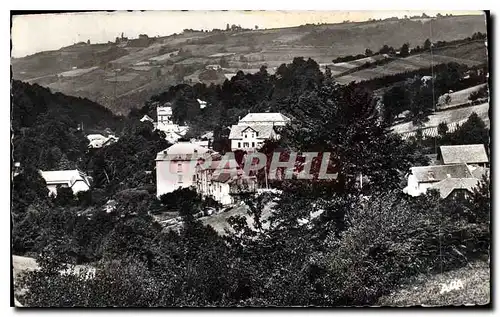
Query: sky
x=41, y=32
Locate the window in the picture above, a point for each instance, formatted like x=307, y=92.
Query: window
x=256, y=134
x=253, y=144
x=179, y=178
x=194, y=178
x=245, y=144
x=239, y=144
x=246, y=136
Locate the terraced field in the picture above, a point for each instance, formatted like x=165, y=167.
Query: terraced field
x=453, y=118
x=470, y=54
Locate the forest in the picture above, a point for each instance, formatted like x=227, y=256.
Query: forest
x=365, y=242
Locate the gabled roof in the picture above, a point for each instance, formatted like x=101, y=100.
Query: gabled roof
x=470, y=153
x=264, y=116
x=183, y=151
x=447, y=186
x=69, y=177
x=437, y=173
x=264, y=131
x=147, y=118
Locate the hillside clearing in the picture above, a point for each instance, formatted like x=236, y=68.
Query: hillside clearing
x=469, y=285
x=454, y=116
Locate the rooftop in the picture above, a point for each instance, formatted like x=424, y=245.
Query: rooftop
x=470, y=153
x=437, y=173
x=64, y=177
x=264, y=131
x=264, y=116
x=447, y=186
x=183, y=151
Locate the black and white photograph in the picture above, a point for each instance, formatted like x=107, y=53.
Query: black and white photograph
x=250, y=159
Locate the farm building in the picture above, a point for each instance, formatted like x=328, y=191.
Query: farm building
x=74, y=179
x=422, y=178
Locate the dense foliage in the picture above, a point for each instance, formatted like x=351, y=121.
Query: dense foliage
x=325, y=243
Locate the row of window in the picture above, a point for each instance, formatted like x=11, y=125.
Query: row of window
x=246, y=144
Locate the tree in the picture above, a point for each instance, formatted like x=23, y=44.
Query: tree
x=405, y=50
x=421, y=101
x=442, y=129
x=473, y=131
x=395, y=101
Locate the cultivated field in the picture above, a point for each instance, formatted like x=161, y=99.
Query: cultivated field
x=247, y=50
x=457, y=97
x=450, y=117
x=470, y=54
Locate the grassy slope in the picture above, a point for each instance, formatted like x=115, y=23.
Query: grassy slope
x=449, y=116
x=272, y=47
x=426, y=290
x=471, y=54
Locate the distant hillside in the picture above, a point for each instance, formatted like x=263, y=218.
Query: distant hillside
x=123, y=75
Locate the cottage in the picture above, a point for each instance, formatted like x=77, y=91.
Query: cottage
x=422, y=178
x=97, y=141
x=74, y=179
x=176, y=166
x=470, y=154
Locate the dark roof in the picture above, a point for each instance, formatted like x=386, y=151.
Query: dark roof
x=470, y=153
x=447, y=186
x=437, y=173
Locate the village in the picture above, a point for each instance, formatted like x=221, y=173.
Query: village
x=455, y=170
x=319, y=164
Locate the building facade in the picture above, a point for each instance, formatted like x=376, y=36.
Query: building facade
x=251, y=131
x=176, y=166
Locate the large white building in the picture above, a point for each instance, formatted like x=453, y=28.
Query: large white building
x=176, y=166
x=253, y=129
x=74, y=179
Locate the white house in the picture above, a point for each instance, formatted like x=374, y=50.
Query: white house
x=97, y=141
x=165, y=123
x=176, y=166
x=252, y=137
x=74, y=179
x=213, y=67
x=422, y=178
x=253, y=129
